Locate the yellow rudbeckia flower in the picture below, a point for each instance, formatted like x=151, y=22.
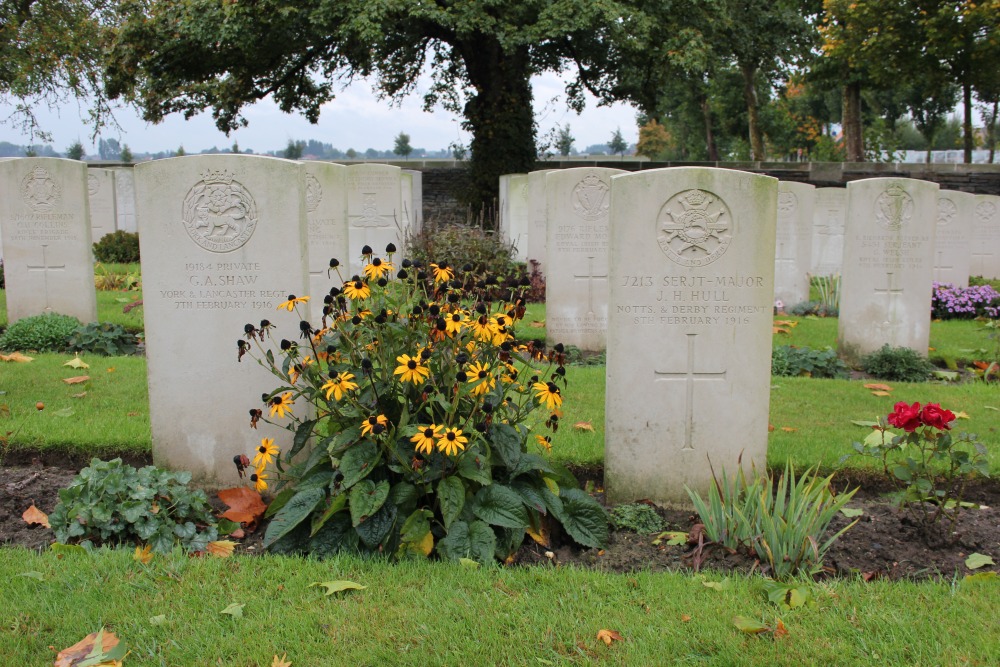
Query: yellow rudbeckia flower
x=424, y=438
x=289, y=305
x=338, y=384
x=452, y=441
x=548, y=394
x=410, y=369
x=282, y=404
x=265, y=453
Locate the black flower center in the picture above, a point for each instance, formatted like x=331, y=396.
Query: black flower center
x=451, y=435
x=411, y=364
x=482, y=374
x=428, y=433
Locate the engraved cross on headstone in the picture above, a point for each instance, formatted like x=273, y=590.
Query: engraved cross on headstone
x=689, y=376
x=781, y=258
x=939, y=267
x=892, y=293
x=45, y=268
x=590, y=278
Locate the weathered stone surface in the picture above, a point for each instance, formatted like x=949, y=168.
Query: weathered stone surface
x=326, y=212
x=793, y=256
x=538, y=209
x=47, y=246
x=689, y=329
x=518, y=215
x=223, y=241
x=103, y=202
x=576, y=285
x=125, y=199
x=374, y=210
x=986, y=237
x=885, y=294
x=829, y=217
x=953, y=237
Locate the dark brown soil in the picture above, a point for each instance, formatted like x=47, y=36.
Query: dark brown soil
x=883, y=543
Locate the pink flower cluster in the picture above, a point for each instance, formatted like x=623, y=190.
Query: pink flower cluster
x=911, y=417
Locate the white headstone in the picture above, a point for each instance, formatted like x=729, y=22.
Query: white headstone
x=326, y=212
x=829, y=217
x=519, y=216
x=45, y=221
x=953, y=237
x=417, y=197
x=986, y=237
x=576, y=285
x=125, y=199
x=503, y=206
x=538, y=209
x=374, y=210
x=103, y=202
x=689, y=329
x=885, y=292
x=406, y=199
x=793, y=256
x=223, y=241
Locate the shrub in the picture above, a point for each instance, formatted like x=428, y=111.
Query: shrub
x=112, y=281
x=481, y=254
x=783, y=523
x=41, y=333
x=120, y=246
x=817, y=308
x=637, y=517
x=927, y=465
x=421, y=438
x=109, y=502
x=105, y=338
x=965, y=303
x=792, y=361
x=897, y=364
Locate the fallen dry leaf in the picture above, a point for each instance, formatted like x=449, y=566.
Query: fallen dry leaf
x=786, y=323
x=282, y=661
x=245, y=506
x=770, y=427
x=685, y=618
x=34, y=515
x=537, y=325
x=16, y=357
x=878, y=387
x=111, y=369
x=780, y=630
x=238, y=534
x=80, y=395
x=76, y=380
x=77, y=362
x=541, y=536
x=880, y=393
x=789, y=429
x=962, y=415
x=221, y=548
x=584, y=426
x=143, y=554
x=100, y=649
x=608, y=636
x=781, y=330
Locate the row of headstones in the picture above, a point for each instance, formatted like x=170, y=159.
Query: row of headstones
x=678, y=268
x=224, y=239
x=568, y=240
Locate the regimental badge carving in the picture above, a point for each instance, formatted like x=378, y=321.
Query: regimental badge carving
x=39, y=192
x=219, y=214
x=369, y=212
x=787, y=203
x=694, y=228
x=946, y=211
x=893, y=208
x=314, y=193
x=93, y=184
x=590, y=198
x=985, y=211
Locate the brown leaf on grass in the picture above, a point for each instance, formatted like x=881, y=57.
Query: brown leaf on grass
x=880, y=393
x=33, y=515
x=16, y=357
x=685, y=618
x=143, y=554
x=780, y=330
x=878, y=387
x=780, y=630
x=786, y=323
x=80, y=395
x=238, y=534
x=869, y=576
x=87, y=650
x=608, y=636
x=76, y=380
x=789, y=429
x=221, y=548
x=583, y=426
x=245, y=506
x=538, y=325
x=283, y=661
x=770, y=427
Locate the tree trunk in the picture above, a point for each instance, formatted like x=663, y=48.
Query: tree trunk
x=854, y=143
x=498, y=115
x=967, y=121
x=750, y=95
x=713, y=150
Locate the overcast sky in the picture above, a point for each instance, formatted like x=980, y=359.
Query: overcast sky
x=355, y=119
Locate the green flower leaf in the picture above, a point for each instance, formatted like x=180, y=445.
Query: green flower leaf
x=506, y=444
x=358, y=462
x=475, y=541
x=374, y=530
x=451, y=495
x=500, y=506
x=584, y=518
x=475, y=467
x=366, y=499
x=292, y=514
x=302, y=435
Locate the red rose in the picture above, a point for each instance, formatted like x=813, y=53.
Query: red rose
x=906, y=417
x=936, y=416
